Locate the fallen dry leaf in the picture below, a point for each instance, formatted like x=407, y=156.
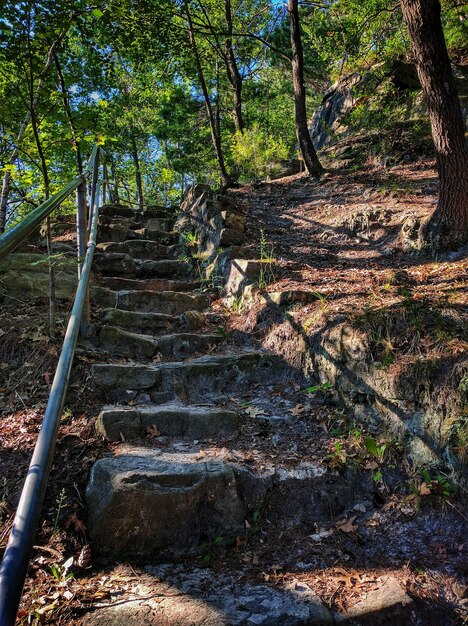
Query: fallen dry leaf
x=153, y=431
x=254, y=411
x=297, y=410
x=424, y=490
x=347, y=525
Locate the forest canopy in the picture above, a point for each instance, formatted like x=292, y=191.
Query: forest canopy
x=132, y=76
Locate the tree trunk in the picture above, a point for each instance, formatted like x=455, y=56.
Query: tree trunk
x=226, y=180
x=46, y=179
x=234, y=75
x=311, y=161
x=138, y=180
x=115, y=189
x=68, y=113
x=448, y=226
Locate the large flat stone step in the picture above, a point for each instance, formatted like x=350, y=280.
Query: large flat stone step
x=119, y=232
x=142, y=249
x=140, y=502
x=168, y=302
x=215, y=597
x=116, y=211
x=192, y=380
x=164, y=268
x=173, y=420
x=114, y=264
x=121, y=342
x=142, y=323
x=121, y=283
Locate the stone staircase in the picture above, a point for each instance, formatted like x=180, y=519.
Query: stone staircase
x=174, y=390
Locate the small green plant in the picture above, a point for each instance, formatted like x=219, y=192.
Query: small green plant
x=338, y=457
x=267, y=259
x=439, y=485
x=377, y=451
x=322, y=387
x=61, y=503
x=61, y=572
x=235, y=304
x=191, y=239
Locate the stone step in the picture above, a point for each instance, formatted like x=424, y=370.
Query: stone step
x=133, y=345
x=119, y=283
x=124, y=343
x=114, y=264
x=122, y=264
x=192, y=380
x=173, y=420
x=143, y=501
x=213, y=597
x=142, y=249
x=155, y=212
x=169, y=302
x=134, y=321
x=120, y=232
x=164, y=268
x=118, y=210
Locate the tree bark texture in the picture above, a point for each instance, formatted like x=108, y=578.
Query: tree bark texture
x=448, y=226
x=311, y=161
x=226, y=180
x=136, y=162
x=234, y=75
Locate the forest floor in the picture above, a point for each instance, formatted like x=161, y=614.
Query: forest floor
x=339, y=237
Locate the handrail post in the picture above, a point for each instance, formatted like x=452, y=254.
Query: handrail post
x=82, y=244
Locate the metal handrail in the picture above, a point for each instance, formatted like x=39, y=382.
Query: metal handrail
x=13, y=237
x=17, y=554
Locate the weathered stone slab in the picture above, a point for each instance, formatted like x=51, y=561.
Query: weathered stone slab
x=174, y=420
x=170, y=302
x=125, y=343
x=182, y=345
x=191, y=380
x=134, y=321
x=213, y=598
x=118, y=210
x=26, y=275
x=163, y=268
x=142, y=249
x=154, y=212
x=142, y=501
x=242, y=272
x=157, y=224
x=120, y=283
x=289, y=297
x=114, y=264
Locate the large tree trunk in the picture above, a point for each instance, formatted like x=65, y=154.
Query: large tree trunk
x=69, y=115
x=226, y=180
x=311, y=161
x=448, y=226
x=46, y=179
x=136, y=162
x=234, y=75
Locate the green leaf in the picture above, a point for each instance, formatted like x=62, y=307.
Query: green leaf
x=97, y=13
x=371, y=446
